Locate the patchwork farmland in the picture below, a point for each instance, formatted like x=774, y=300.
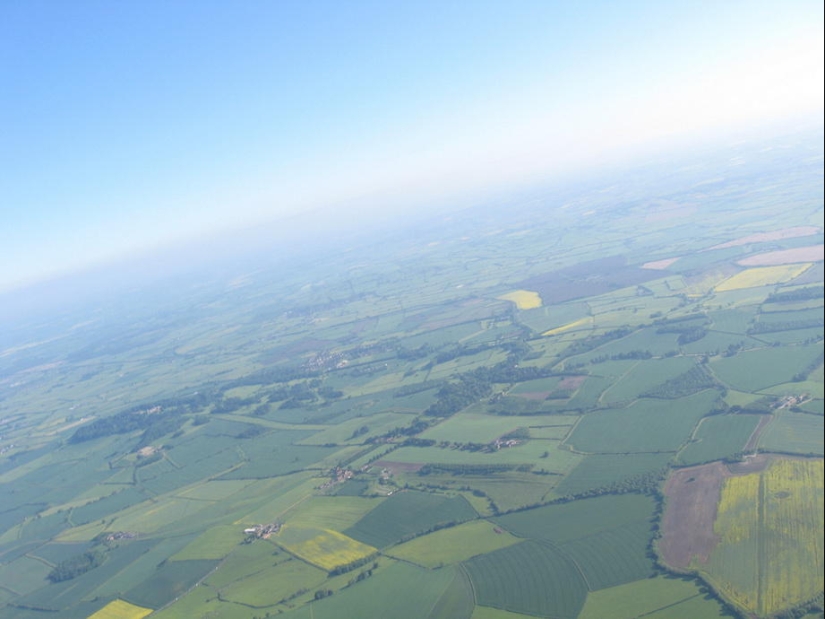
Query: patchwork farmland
x=504, y=418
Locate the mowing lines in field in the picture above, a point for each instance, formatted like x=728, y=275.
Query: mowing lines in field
x=407, y=513
x=646, y=426
x=531, y=577
x=718, y=437
x=457, y=601
x=613, y=557
x=171, y=580
x=564, y=522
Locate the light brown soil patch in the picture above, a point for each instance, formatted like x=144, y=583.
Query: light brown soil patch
x=811, y=253
x=571, y=382
x=693, y=496
x=659, y=265
x=687, y=525
x=751, y=464
x=762, y=237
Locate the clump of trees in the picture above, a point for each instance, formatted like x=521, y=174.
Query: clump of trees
x=694, y=380
x=352, y=565
x=800, y=294
x=76, y=565
x=472, y=469
x=787, y=325
x=624, y=356
x=593, y=342
x=154, y=424
x=800, y=376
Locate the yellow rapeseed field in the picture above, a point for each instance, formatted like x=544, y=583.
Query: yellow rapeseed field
x=792, y=524
x=571, y=325
x=762, y=276
x=524, y=299
x=121, y=610
x=330, y=549
x=770, y=554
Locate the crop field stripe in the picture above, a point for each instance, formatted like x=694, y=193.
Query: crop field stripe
x=761, y=553
x=572, y=558
x=470, y=581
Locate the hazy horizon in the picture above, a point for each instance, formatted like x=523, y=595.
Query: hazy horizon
x=132, y=130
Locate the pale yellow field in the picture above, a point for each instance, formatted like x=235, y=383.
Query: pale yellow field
x=770, y=554
x=524, y=299
x=121, y=610
x=571, y=325
x=329, y=549
x=797, y=519
x=762, y=276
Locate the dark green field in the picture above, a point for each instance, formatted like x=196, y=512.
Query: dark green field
x=645, y=426
x=719, y=437
x=531, y=577
x=407, y=513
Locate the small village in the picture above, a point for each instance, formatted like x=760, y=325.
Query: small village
x=338, y=475
x=262, y=531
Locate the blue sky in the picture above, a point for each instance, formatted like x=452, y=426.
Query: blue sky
x=128, y=125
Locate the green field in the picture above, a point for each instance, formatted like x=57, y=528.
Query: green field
x=169, y=581
x=645, y=375
x=718, y=437
x=352, y=391
x=324, y=512
x=563, y=522
x=758, y=369
x=401, y=591
x=214, y=543
x=269, y=586
x=612, y=557
x=55, y=596
x=639, y=598
x=605, y=470
x=797, y=433
x=458, y=599
x=488, y=612
x=453, y=545
x=531, y=577
x=643, y=427
x=405, y=514
x=472, y=428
